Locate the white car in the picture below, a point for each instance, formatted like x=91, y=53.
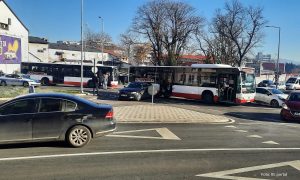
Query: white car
x=17, y=80
x=270, y=96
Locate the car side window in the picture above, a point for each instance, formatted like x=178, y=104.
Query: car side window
x=70, y=106
x=258, y=90
x=264, y=91
x=50, y=105
x=19, y=107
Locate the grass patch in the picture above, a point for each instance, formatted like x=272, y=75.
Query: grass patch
x=14, y=91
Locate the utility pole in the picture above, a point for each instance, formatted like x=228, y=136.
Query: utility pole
x=277, y=63
x=81, y=74
x=102, y=36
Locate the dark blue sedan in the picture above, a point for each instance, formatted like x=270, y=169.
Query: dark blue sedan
x=54, y=116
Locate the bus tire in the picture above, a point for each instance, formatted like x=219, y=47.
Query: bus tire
x=208, y=97
x=45, y=81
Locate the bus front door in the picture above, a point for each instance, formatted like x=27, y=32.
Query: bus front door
x=58, y=75
x=227, y=87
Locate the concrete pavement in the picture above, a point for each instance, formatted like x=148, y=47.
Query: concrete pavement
x=164, y=114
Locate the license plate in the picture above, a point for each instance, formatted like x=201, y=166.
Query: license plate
x=297, y=113
x=123, y=94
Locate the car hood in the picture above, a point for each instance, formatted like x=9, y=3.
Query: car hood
x=130, y=90
x=284, y=96
x=293, y=105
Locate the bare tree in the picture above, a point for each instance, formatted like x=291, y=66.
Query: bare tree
x=141, y=53
x=239, y=26
x=127, y=40
x=168, y=25
x=95, y=39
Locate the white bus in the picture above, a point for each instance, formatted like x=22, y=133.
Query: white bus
x=68, y=74
x=207, y=82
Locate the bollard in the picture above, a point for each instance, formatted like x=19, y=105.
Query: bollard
x=31, y=89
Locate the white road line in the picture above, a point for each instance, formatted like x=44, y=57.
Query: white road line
x=271, y=142
x=228, y=174
x=165, y=133
x=242, y=131
x=230, y=126
x=254, y=123
x=254, y=136
x=143, y=151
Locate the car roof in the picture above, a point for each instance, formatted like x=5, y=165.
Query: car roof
x=48, y=95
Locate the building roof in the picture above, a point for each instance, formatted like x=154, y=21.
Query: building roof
x=193, y=57
x=71, y=47
x=37, y=40
x=14, y=14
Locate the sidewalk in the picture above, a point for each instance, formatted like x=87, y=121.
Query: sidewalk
x=164, y=114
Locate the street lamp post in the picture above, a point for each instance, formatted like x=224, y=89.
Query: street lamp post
x=277, y=64
x=81, y=74
x=102, y=36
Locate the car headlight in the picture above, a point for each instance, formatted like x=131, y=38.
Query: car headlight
x=133, y=92
x=284, y=106
x=281, y=98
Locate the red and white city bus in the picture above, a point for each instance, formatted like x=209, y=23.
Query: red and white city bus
x=68, y=74
x=207, y=82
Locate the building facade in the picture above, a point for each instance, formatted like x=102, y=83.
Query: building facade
x=13, y=40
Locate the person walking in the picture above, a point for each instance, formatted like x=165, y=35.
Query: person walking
x=96, y=84
x=105, y=81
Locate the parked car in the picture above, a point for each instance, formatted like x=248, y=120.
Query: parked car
x=135, y=91
x=54, y=116
x=281, y=85
x=270, y=96
x=293, y=83
x=291, y=108
x=18, y=80
x=266, y=83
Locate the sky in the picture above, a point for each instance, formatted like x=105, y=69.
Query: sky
x=60, y=19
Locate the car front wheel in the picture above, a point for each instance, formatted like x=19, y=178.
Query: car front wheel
x=78, y=136
x=274, y=103
x=3, y=83
x=25, y=84
x=138, y=97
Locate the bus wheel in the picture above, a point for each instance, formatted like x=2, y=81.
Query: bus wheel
x=45, y=81
x=208, y=97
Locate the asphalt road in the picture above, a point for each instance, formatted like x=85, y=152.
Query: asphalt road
x=257, y=145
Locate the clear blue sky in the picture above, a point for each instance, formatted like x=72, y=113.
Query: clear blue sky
x=60, y=19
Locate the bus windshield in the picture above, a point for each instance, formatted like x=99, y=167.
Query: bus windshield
x=248, y=83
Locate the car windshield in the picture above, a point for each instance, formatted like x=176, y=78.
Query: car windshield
x=134, y=85
x=295, y=97
x=276, y=91
x=291, y=80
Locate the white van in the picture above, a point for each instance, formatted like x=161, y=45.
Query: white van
x=293, y=83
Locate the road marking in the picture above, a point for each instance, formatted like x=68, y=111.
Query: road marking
x=227, y=174
x=165, y=133
x=143, y=151
x=270, y=142
x=242, y=131
x=254, y=136
x=254, y=123
x=230, y=126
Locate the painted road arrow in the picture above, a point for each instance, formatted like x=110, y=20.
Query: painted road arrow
x=227, y=174
x=165, y=133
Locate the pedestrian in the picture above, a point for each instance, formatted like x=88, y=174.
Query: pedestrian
x=105, y=81
x=96, y=84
